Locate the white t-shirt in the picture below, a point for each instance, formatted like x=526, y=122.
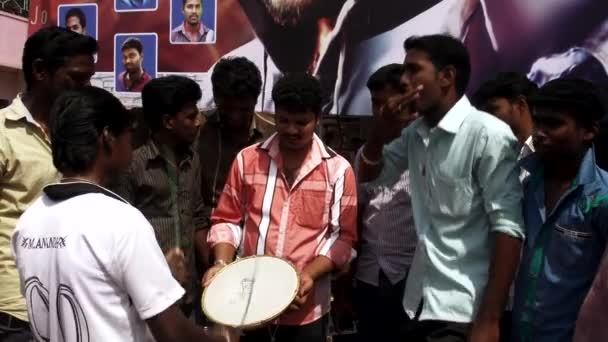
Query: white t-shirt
x=90, y=266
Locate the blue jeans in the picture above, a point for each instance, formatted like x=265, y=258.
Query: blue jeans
x=13, y=334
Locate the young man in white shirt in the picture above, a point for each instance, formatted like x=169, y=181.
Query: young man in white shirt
x=89, y=263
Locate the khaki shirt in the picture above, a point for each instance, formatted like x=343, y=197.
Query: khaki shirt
x=26, y=166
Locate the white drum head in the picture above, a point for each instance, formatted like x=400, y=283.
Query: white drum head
x=251, y=291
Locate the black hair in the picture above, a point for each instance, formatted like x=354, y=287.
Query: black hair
x=579, y=98
x=444, y=51
x=388, y=75
x=133, y=43
x=185, y=1
x=54, y=45
x=77, y=120
x=167, y=95
x=297, y=92
x=236, y=78
x=508, y=85
x=78, y=13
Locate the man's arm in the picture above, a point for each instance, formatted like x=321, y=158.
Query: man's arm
x=225, y=234
x=503, y=266
x=498, y=177
x=171, y=325
x=139, y=267
x=374, y=157
x=201, y=217
x=338, y=248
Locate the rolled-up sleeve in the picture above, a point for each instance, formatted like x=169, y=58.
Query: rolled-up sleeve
x=342, y=221
x=227, y=217
x=498, y=177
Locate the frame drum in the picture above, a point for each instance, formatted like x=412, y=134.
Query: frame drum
x=251, y=292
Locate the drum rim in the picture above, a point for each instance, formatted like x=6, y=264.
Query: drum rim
x=260, y=323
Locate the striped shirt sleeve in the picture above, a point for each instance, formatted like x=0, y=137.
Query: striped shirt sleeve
x=228, y=215
x=342, y=221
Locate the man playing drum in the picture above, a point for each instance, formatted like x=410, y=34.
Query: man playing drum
x=291, y=197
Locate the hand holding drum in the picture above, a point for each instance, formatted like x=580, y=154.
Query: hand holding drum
x=253, y=291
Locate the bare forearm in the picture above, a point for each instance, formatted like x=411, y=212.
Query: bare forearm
x=505, y=261
x=224, y=251
x=171, y=325
x=318, y=267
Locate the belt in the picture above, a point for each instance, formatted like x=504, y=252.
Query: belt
x=9, y=322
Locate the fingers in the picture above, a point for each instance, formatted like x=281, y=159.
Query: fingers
x=210, y=275
x=401, y=104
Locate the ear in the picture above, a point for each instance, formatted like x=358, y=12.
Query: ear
x=591, y=132
x=107, y=139
x=168, y=122
x=447, y=77
x=522, y=104
x=39, y=70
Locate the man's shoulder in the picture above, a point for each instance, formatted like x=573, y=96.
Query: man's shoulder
x=486, y=122
x=481, y=125
x=178, y=28
x=253, y=152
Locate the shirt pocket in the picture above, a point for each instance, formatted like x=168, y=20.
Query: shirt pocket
x=311, y=209
x=452, y=194
x=572, y=247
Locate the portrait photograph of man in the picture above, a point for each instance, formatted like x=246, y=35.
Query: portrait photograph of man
x=193, y=21
x=135, y=5
x=135, y=61
x=81, y=18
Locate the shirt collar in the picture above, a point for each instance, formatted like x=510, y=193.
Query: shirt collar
x=318, y=152
x=202, y=30
x=152, y=151
x=18, y=111
x=66, y=190
x=453, y=119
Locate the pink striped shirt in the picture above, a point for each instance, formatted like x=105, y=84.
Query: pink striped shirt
x=259, y=214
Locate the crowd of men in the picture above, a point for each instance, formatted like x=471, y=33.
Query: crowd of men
x=482, y=220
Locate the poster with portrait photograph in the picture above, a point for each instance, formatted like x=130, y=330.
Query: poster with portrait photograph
x=343, y=42
x=135, y=61
x=193, y=21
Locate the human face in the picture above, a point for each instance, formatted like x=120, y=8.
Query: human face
x=236, y=113
x=419, y=70
x=295, y=130
x=75, y=74
x=185, y=124
x=192, y=11
x=294, y=12
x=557, y=136
x=120, y=151
x=503, y=109
x=73, y=24
x=132, y=60
x=379, y=99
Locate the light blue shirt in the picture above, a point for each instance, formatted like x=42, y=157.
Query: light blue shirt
x=464, y=186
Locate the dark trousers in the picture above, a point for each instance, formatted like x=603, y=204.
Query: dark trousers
x=380, y=310
x=14, y=330
x=313, y=332
x=436, y=331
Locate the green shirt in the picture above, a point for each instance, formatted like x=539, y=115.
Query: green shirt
x=464, y=186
